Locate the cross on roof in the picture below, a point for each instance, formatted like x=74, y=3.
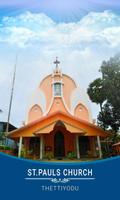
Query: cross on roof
x=56, y=62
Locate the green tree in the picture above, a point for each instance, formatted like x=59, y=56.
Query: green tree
x=106, y=92
x=111, y=80
x=107, y=118
x=96, y=92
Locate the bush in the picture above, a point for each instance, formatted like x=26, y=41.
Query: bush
x=1, y=147
x=23, y=153
x=7, y=148
x=71, y=155
x=49, y=155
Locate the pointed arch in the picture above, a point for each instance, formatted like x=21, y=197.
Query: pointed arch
x=59, y=123
x=34, y=113
x=81, y=112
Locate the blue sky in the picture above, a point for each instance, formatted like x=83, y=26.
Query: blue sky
x=81, y=33
x=59, y=10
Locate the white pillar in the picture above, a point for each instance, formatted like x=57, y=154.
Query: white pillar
x=77, y=147
x=41, y=147
x=99, y=146
x=20, y=147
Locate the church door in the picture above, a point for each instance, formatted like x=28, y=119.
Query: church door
x=59, y=148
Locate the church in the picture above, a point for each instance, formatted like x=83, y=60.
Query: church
x=59, y=123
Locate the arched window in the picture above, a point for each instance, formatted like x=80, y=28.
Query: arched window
x=57, y=89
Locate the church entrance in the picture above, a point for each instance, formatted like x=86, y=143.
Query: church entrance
x=59, y=148
x=84, y=146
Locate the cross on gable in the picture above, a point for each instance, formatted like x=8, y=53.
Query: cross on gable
x=56, y=62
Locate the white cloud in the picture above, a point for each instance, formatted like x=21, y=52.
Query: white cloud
x=104, y=19
x=111, y=35
x=28, y=28
x=81, y=47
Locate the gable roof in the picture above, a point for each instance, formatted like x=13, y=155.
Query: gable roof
x=50, y=120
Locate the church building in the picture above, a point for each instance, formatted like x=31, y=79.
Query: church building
x=59, y=122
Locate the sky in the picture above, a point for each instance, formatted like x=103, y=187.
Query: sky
x=59, y=10
x=81, y=33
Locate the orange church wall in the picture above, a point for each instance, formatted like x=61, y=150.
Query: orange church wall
x=57, y=78
x=69, y=143
x=46, y=87
x=68, y=87
x=62, y=103
x=92, y=141
x=58, y=105
x=26, y=142
x=34, y=113
x=81, y=112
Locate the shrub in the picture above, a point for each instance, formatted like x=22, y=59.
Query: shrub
x=49, y=155
x=23, y=153
x=1, y=147
x=7, y=148
x=71, y=155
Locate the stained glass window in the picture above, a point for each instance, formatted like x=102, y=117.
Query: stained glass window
x=57, y=89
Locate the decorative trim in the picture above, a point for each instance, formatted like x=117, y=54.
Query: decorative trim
x=60, y=180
